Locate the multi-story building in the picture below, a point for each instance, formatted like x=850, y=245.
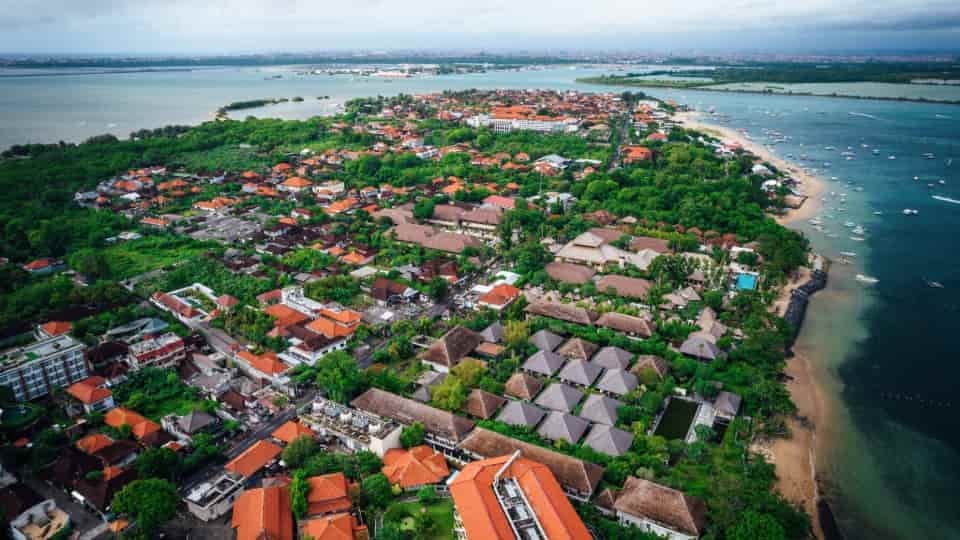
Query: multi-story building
x=35, y=370
x=354, y=429
x=162, y=351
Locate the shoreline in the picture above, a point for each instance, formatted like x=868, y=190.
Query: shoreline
x=811, y=185
x=795, y=458
x=707, y=88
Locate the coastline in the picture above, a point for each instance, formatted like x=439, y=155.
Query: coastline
x=794, y=457
x=707, y=88
x=811, y=185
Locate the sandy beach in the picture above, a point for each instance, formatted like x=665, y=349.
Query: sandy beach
x=810, y=185
x=793, y=457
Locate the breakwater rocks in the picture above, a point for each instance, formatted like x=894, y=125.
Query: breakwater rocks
x=800, y=298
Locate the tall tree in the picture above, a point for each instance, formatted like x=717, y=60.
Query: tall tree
x=149, y=502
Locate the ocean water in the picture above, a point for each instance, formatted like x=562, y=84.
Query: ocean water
x=889, y=449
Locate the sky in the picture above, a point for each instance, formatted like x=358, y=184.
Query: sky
x=244, y=26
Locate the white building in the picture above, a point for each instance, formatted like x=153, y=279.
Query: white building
x=35, y=370
x=354, y=429
x=660, y=510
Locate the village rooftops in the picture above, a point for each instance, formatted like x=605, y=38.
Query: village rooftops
x=253, y=459
x=562, y=312
x=523, y=386
x=627, y=324
x=442, y=424
x=662, y=505
x=452, y=347
x=498, y=498
x=263, y=513
x=579, y=478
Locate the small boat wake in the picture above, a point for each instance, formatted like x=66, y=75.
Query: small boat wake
x=864, y=115
x=945, y=199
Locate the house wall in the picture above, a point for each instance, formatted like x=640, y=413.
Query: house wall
x=388, y=442
x=646, y=525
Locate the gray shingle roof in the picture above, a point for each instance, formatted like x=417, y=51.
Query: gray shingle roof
x=521, y=413
x=560, y=425
x=611, y=357
x=580, y=372
x=651, y=362
x=727, y=404
x=493, y=333
x=544, y=363
x=660, y=504
x=601, y=409
x=700, y=346
x=609, y=440
x=559, y=397
x=617, y=381
x=546, y=340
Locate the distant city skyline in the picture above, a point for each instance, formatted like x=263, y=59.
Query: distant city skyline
x=181, y=27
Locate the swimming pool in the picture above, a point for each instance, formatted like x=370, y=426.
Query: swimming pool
x=746, y=282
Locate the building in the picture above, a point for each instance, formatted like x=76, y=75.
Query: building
x=354, y=429
x=263, y=513
x=660, y=510
x=37, y=369
x=446, y=352
x=499, y=297
x=328, y=494
x=444, y=430
x=214, y=498
x=578, y=478
x=186, y=427
x=164, y=351
x=52, y=329
x=291, y=431
x=252, y=460
x=593, y=250
x=414, y=468
x=336, y=527
x=93, y=394
x=30, y=516
x=145, y=431
x=512, y=497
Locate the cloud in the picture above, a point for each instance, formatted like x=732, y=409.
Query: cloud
x=248, y=25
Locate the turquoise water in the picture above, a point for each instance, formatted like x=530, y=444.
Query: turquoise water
x=890, y=449
x=746, y=282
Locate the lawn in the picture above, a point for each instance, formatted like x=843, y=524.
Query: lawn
x=441, y=511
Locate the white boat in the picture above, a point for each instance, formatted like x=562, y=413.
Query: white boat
x=848, y=254
x=877, y=213
x=858, y=230
x=945, y=199
x=869, y=280
x=857, y=238
x=929, y=155
x=891, y=156
x=911, y=211
x=875, y=152
x=934, y=284
x=849, y=224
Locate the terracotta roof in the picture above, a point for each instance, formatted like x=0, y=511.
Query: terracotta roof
x=523, y=386
x=140, y=426
x=93, y=443
x=263, y=514
x=337, y=527
x=644, y=362
x=418, y=466
x=254, y=458
x=267, y=363
x=483, y=516
x=89, y=391
x=328, y=494
x=407, y=411
x=453, y=346
x=296, y=182
x=662, y=505
x=56, y=328
x=573, y=473
x=500, y=296
x=577, y=349
x=285, y=315
x=290, y=431
x=482, y=404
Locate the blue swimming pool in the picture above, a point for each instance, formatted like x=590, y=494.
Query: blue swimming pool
x=746, y=282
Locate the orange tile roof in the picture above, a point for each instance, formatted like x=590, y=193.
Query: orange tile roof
x=297, y=182
x=281, y=167
x=500, y=295
x=330, y=328
x=290, y=431
x=341, y=206
x=482, y=515
x=287, y=220
x=336, y=527
x=93, y=443
x=285, y=315
x=263, y=513
x=111, y=472
x=55, y=328
x=418, y=466
x=251, y=460
x=140, y=426
x=343, y=316
x=266, y=363
x=88, y=391
x=328, y=494
x=353, y=258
